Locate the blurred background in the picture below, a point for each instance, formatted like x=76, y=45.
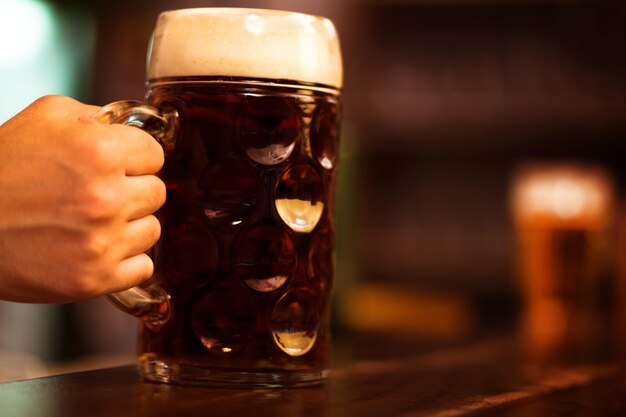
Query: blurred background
x=483, y=154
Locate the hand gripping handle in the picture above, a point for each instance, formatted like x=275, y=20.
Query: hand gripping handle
x=149, y=301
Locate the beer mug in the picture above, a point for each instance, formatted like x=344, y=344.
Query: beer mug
x=246, y=105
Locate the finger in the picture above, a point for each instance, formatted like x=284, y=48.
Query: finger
x=146, y=194
x=142, y=153
x=140, y=235
x=132, y=271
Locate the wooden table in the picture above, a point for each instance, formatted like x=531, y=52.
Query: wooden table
x=484, y=378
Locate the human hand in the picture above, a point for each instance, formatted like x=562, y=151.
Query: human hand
x=76, y=203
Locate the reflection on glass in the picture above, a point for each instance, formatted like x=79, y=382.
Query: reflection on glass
x=301, y=216
x=299, y=195
x=295, y=343
x=295, y=322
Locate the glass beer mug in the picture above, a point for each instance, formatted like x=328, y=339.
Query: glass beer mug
x=246, y=104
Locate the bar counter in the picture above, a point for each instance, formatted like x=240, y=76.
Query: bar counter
x=480, y=378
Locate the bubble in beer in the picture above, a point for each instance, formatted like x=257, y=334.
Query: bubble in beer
x=321, y=260
x=269, y=130
x=298, y=198
x=295, y=322
x=189, y=254
x=325, y=134
x=228, y=193
x=264, y=257
x=223, y=321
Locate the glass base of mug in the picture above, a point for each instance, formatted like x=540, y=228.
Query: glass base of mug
x=160, y=371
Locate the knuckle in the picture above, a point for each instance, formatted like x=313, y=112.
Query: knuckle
x=99, y=149
x=89, y=271
x=84, y=280
x=52, y=101
x=95, y=247
x=92, y=267
x=99, y=201
x=84, y=285
x=52, y=109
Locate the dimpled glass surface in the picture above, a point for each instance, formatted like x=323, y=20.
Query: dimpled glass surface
x=248, y=228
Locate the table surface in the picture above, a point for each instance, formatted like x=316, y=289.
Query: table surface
x=483, y=378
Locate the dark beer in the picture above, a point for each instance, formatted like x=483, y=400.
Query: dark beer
x=247, y=243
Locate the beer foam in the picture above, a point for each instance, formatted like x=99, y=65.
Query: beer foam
x=248, y=43
x=562, y=195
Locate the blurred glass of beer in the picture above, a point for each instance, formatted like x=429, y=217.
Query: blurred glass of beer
x=563, y=215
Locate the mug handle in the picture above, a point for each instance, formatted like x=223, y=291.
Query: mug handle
x=149, y=301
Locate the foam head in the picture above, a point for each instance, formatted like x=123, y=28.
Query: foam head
x=248, y=43
x=562, y=195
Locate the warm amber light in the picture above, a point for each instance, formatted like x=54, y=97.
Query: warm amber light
x=562, y=214
x=300, y=215
x=563, y=194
